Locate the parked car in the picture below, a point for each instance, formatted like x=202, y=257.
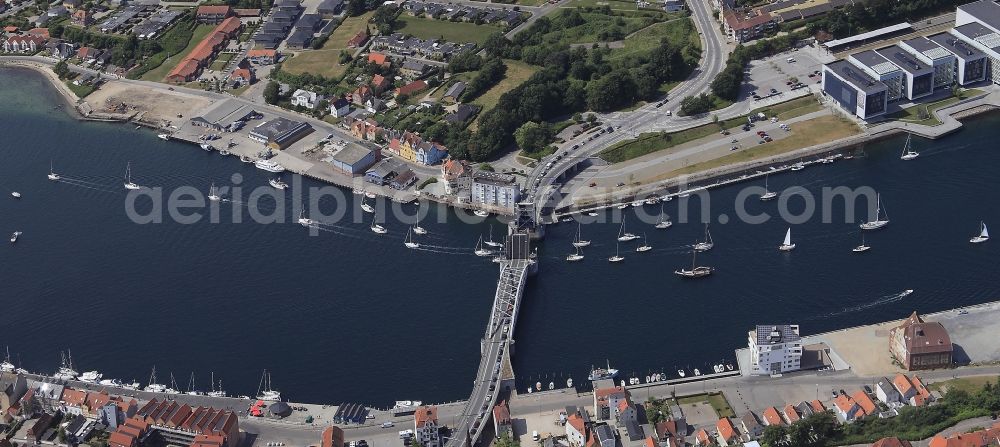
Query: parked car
x=387, y=424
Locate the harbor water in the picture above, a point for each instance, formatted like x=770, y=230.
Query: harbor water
x=351, y=316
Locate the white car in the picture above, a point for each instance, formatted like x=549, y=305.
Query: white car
x=669, y=113
x=387, y=424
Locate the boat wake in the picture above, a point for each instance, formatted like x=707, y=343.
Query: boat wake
x=887, y=299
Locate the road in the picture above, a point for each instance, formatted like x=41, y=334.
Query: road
x=628, y=124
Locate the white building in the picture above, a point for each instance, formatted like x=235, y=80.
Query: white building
x=935, y=55
x=425, y=426
x=978, y=23
x=306, y=98
x=882, y=70
x=495, y=189
x=886, y=393
x=775, y=349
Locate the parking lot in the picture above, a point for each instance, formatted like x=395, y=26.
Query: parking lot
x=772, y=76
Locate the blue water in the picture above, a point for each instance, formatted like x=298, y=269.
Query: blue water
x=348, y=316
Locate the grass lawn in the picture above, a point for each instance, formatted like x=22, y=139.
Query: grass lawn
x=648, y=143
x=347, y=29
x=716, y=400
x=969, y=384
x=317, y=62
x=913, y=114
x=807, y=133
x=614, y=4
x=81, y=91
x=790, y=109
x=517, y=73
x=645, y=40
x=458, y=32
x=239, y=91
x=599, y=27
x=157, y=74
x=530, y=2
x=220, y=62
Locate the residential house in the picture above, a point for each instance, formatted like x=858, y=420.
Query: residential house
x=981, y=438
x=213, y=14
x=366, y=129
x=203, y=53
x=892, y=442
x=604, y=436
x=358, y=40
x=904, y=387
x=701, y=438
x=671, y=432
x=243, y=76
x=23, y=44
x=751, y=426
x=73, y=400
x=413, y=68
x=360, y=95
x=379, y=59
x=495, y=189
x=403, y=180
x=886, y=393
x=374, y=105
x=300, y=39
x=462, y=113
x=746, y=25
x=56, y=11
x=262, y=56
x=340, y=107
x=12, y=388
x=804, y=409
x=411, y=88
x=82, y=17
x=333, y=436
x=775, y=349
x=577, y=427
x=72, y=4
x=455, y=174
x=501, y=420
x=917, y=344
x=865, y=403
x=39, y=427
x=425, y=426
x=454, y=92
x=923, y=396
x=39, y=32
x=817, y=406
x=380, y=84
x=330, y=8
x=306, y=98
x=429, y=153
x=772, y=417
x=605, y=399
x=847, y=410
x=246, y=12
x=791, y=414
x=727, y=434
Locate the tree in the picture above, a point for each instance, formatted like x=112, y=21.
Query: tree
x=532, y=136
x=61, y=69
x=694, y=105
x=774, y=436
x=591, y=118
x=506, y=441
x=463, y=62
x=271, y=92
x=496, y=45
x=356, y=8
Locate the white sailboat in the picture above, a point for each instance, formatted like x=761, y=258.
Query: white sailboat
x=908, y=152
x=707, y=244
x=264, y=391
x=879, y=222
x=578, y=256
x=480, y=250
x=52, y=174
x=418, y=229
x=787, y=245
x=663, y=222
x=645, y=246
x=66, y=371
x=191, y=391
x=154, y=387
x=617, y=257
x=7, y=366
x=128, y=178
x=14, y=236
x=366, y=207
x=213, y=195
x=984, y=235
x=216, y=392
x=305, y=221
x=695, y=271
x=768, y=195
x=376, y=228
x=623, y=236
x=490, y=242
x=578, y=242
x=861, y=248
x=409, y=239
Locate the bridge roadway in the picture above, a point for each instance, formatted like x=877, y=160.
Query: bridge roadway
x=478, y=411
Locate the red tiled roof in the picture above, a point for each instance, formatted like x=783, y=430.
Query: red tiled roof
x=623, y=405
x=10, y=29
x=501, y=413
x=891, y=442
x=981, y=438
x=817, y=406
x=921, y=389
x=702, y=437
x=865, y=402
x=214, y=9
x=791, y=413
x=229, y=26
x=247, y=12
x=411, y=88
x=40, y=32
x=119, y=439
x=576, y=421
x=844, y=403
x=425, y=414
x=377, y=58
x=242, y=73
x=74, y=397
x=650, y=442
x=902, y=383
x=726, y=429
x=772, y=417
x=262, y=53
x=737, y=22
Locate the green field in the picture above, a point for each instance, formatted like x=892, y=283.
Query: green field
x=790, y=109
x=318, y=62
x=645, y=40
x=601, y=27
x=347, y=29
x=81, y=91
x=914, y=114
x=517, y=73
x=648, y=143
x=614, y=4
x=158, y=73
x=970, y=385
x=457, y=32
x=221, y=61
x=716, y=400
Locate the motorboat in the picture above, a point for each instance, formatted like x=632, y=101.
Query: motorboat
x=15, y=194
x=132, y=386
x=644, y=247
x=163, y=136
x=623, y=206
x=246, y=159
x=358, y=191
x=787, y=245
x=111, y=382
x=617, y=257
x=624, y=236
x=90, y=377
x=695, y=271
x=578, y=242
x=574, y=257
x=213, y=195
x=697, y=372
x=366, y=207
x=269, y=166
x=14, y=236
x=480, y=250
x=569, y=382
x=637, y=203
x=481, y=213
x=277, y=183
x=592, y=214
x=729, y=366
x=419, y=230
x=206, y=146
x=52, y=174
x=908, y=152
x=376, y=228
x=305, y=221
x=602, y=373
x=129, y=184
x=680, y=372
x=224, y=152
x=879, y=222
x=409, y=239
x=768, y=195
x=983, y=236
x=707, y=244
x=264, y=390
x=370, y=195
x=798, y=166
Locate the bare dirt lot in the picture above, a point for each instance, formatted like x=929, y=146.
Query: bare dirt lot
x=156, y=105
